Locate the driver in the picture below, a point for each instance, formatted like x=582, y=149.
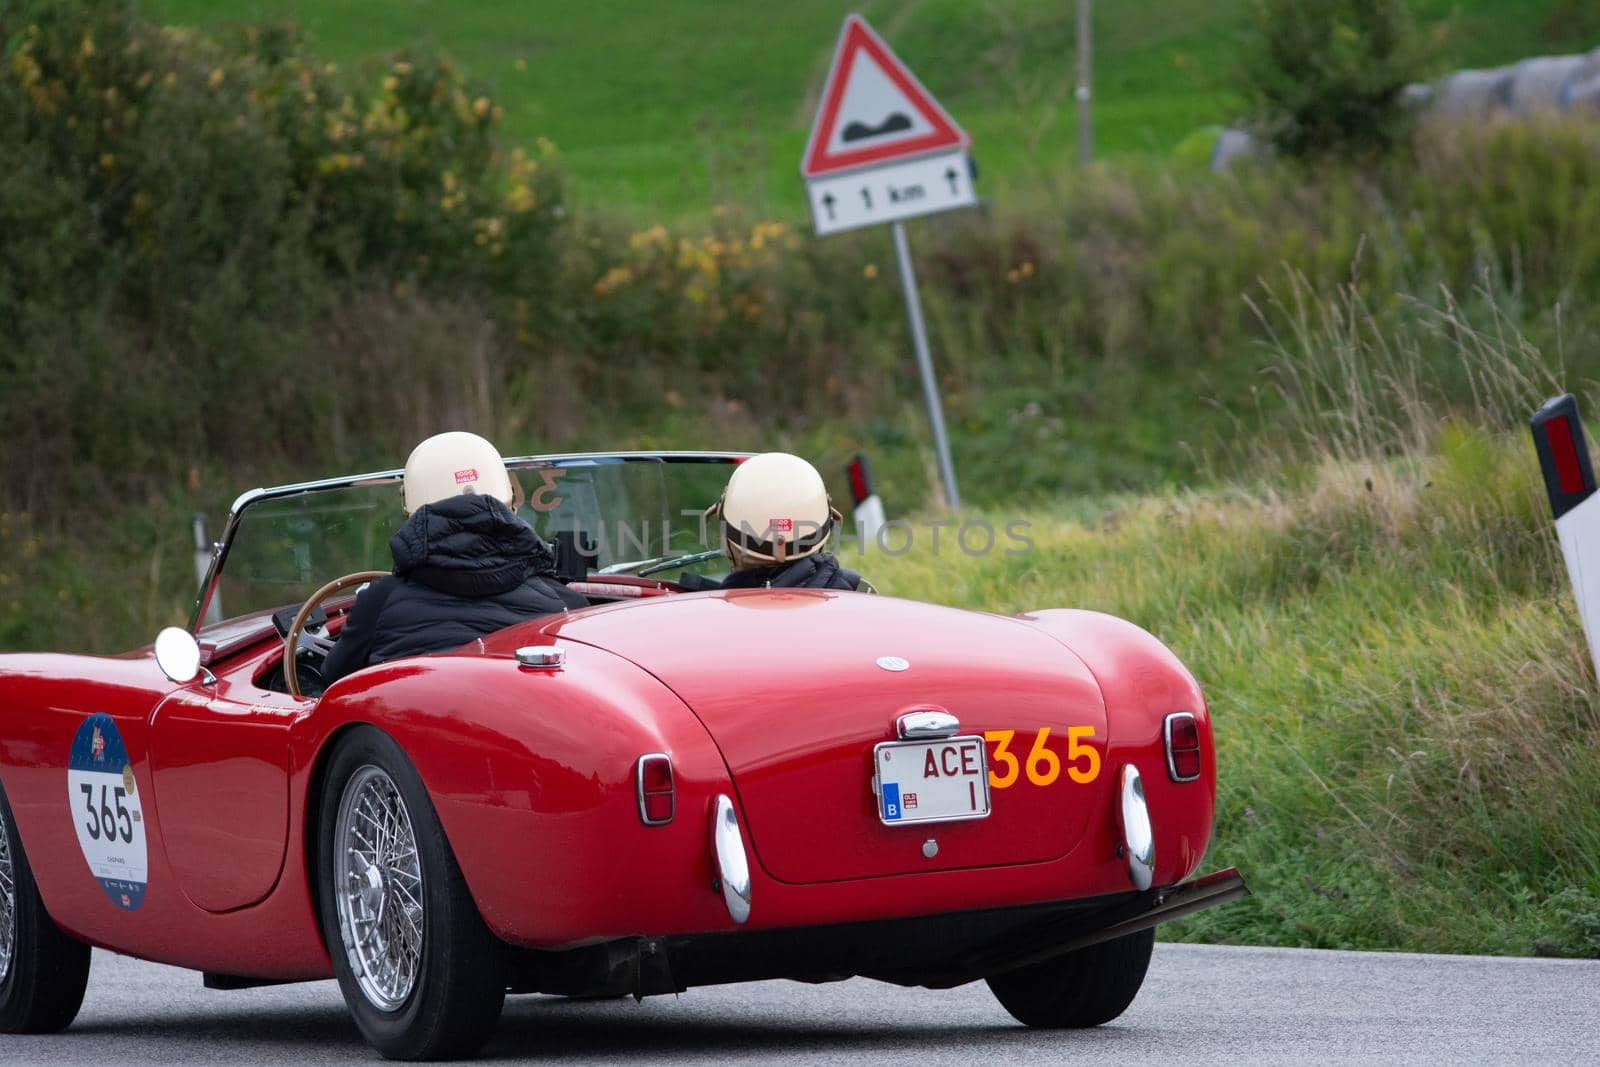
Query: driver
x=464, y=563
x=776, y=521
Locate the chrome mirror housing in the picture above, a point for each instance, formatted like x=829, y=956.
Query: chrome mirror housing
x=178, y=654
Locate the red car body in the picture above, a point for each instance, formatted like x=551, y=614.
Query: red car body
x=772, y=698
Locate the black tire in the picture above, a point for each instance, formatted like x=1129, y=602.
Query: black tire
x=459, y=988
x=1084, y=988
x=42, y=988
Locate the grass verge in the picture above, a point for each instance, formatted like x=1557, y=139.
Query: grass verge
x=1406, y=721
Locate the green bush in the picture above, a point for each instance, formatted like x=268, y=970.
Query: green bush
x=187, y=220
x=1326, y=76
x=240, y=266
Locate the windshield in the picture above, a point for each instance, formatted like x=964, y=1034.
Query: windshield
x=622, y=512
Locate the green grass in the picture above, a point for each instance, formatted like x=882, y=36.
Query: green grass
x=1407, y=722
x=665, y=110
x=1406, y=719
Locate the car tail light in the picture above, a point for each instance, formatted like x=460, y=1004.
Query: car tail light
x=657, y=795
x=1182, y=732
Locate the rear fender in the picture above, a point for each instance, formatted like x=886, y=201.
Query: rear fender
x=1143, y=682
x=532, y=773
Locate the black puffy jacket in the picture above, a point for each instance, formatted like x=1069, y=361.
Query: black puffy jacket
x=821, y=571
x=463, y=567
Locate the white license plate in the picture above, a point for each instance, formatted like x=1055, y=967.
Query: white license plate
x=931, y=781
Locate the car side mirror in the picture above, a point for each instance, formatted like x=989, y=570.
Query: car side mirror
x=178, y=656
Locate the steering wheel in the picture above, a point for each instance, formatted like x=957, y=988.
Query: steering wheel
x=291, y=640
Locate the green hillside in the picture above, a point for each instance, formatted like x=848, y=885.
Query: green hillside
x=668, y=109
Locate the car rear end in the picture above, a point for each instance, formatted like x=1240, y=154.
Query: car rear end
x=886, y=759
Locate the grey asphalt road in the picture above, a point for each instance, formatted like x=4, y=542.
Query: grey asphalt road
x=1199, y=1005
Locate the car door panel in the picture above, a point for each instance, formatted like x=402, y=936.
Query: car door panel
x=219, y=757
x=83, y=721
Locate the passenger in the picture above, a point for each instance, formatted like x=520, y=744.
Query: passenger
x=464, y=563
x=776, y=522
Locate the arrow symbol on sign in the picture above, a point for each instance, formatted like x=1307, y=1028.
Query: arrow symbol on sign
x=950, y=176
x=827, y=202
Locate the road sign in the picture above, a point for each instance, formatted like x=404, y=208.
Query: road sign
x=882, y=150
x=890, y=192
x=873, y=110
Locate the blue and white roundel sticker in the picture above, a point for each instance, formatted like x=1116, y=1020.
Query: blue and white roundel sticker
x=106, y=812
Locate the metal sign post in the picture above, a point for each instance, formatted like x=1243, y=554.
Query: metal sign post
x=930, y=384
x=882, y=150
x=1083, y=91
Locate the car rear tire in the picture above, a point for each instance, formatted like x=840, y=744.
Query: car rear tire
x=1084, y=988
x=43, y=972
x=419, y=970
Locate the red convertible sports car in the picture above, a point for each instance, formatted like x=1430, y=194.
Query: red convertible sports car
x=663, y=790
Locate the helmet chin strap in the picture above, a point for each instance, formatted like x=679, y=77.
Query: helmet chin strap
x=774, y=547
x=745, y=548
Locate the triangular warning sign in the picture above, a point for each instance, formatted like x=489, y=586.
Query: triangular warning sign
x=873, y=109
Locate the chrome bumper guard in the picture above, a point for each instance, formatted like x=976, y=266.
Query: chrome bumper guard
x=732, y=863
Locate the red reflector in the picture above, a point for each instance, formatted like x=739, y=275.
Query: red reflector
x=1565, y=453
x=860, y=479
x=657, y=797
x=1186, y=764
x=656, y=775
x=1185, y=734
x=658, y=807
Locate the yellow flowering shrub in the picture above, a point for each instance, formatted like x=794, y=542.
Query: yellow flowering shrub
x=186, y=217
x=385, y=168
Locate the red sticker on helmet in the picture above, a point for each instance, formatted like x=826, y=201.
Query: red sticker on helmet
x=468, y=475
x=780, y=525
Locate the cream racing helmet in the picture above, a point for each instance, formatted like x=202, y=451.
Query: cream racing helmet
x=449, y=464
x=774, y=510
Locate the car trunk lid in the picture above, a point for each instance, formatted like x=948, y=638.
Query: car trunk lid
x=789, y=684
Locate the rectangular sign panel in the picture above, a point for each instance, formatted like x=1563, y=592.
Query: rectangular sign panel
x=890, y=192
x=931, y=781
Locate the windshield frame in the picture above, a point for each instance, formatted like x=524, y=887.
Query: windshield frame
x=219, y=550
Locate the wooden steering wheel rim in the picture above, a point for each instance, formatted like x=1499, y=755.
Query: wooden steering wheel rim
x=291, y=674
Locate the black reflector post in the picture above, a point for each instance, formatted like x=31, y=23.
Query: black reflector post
x=860, y=480
x=1569, y=479
x=869, y=517
x=1563, y=454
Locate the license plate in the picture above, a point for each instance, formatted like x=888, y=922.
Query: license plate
x=931, y=781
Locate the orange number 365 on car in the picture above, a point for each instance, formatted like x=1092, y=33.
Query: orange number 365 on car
x=665, y=789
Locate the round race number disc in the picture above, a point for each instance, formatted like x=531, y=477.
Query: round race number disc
x=106, y=812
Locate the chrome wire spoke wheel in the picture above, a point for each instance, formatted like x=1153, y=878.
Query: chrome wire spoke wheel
x=8, y=903
x=378, y=889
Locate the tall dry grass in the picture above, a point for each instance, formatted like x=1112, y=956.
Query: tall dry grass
x=1408, y=721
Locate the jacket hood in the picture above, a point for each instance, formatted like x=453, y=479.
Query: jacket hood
x=470, y=546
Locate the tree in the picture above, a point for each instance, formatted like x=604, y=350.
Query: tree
x=1329, y=76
